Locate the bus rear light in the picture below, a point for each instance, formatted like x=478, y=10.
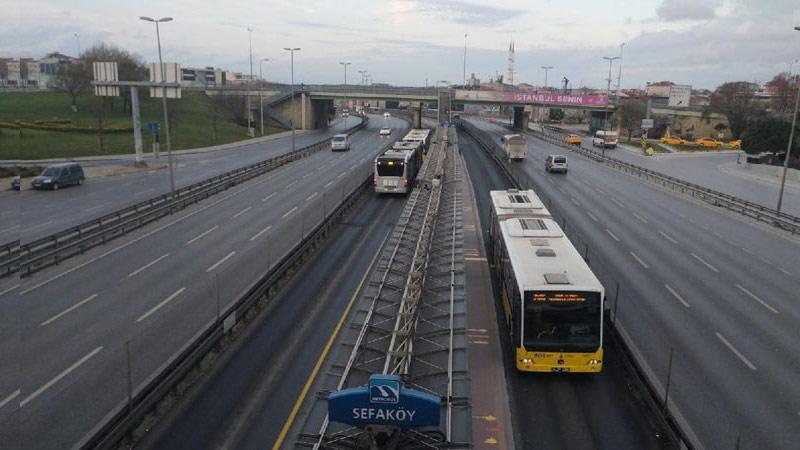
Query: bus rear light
x=405, y=182
x=374, y=181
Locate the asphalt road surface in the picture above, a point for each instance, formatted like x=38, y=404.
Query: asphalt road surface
x=138, y=300
x=718, y=289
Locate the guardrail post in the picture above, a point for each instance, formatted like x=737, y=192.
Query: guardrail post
x=616, y=304
x=130, y=376
x=218, y=308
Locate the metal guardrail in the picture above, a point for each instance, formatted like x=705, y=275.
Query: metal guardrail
x=33, y=256
x=643, y=378
x=761, y=213
x=9, y=258
x=146, y=400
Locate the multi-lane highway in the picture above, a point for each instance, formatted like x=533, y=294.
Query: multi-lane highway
x=137, y=301
x=718, y=289
x=47, y=212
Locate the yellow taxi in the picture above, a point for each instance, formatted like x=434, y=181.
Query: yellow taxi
x=737, y=144
x=669, y=140
x=573, y=139
x=708, y=143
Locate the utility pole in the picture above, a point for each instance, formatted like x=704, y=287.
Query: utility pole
x=610, y=60
x=789, y=145
x=546, y=68
x=465, y=60
x=164, y=102
x=345, y=64
x=250, y=84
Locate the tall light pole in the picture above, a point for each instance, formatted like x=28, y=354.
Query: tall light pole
x=619, y=74
x=546, y=68
x=464, y=83
x=792, y=63
x=261, y=90
x=789, y=146
x=610, y=60
x=250, y=84
x=78, y=38
x=363, y=74
x=291, y=51
x=345, y=64
x=164, y=101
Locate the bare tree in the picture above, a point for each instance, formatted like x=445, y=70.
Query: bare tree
x=736, y=101
x=631, y=115
x=72, y=79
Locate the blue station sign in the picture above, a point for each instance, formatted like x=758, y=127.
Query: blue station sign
x=384, y=402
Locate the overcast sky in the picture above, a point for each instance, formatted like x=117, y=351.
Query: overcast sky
x=403, y=42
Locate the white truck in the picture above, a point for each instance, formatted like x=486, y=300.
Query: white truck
x=607, y=139
x=514, y=146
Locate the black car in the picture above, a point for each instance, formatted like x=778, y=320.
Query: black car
x=59, y=175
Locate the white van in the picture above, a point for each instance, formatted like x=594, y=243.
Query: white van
x=556, y=163
x=340, y=142
x=607, y=139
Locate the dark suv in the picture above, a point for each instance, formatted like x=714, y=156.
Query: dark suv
x=59, y=175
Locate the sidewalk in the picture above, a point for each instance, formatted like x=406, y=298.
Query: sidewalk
x=745, y=171
x=149, y=155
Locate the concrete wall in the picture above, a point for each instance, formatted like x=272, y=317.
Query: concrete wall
x=775, y=172
x=306, y=114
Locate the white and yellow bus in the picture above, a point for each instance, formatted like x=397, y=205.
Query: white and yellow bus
x=397, y=167
x=552, y=302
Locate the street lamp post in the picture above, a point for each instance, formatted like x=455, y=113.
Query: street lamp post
x=291, y=51
x=619, y=74
x=261, y=90
x=546, y=68
x=464, y=83
x=78, y=38
x=789, y=146
x=345, y=64
x=250, y=131
x=610, y=60
x=164, y=102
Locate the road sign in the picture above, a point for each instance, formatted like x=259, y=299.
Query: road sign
x=647, y=123
x=172, y=74
x=154, y=127
x=105, y=71
x=384, y=401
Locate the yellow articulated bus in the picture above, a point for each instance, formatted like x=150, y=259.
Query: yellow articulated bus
x=552, y=301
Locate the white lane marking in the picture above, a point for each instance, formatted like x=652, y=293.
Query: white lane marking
x=765, y=260
x=146, y=266
x=68, y=271
x=289, y=212
x=756, y=298
x=218, y=263
x=575, y=201
x=612, y=235
x=160, y=305
x=147, y=191
x=144, y=236
x=641, y=219
x=43, y=224
x=585, y=182
x=704, y=262
x=309, y=174
x=268, y=197
x=600, y=191
x=747, y=250
x=353, y=167
x=9, y=229
x=13, y=395
x=667, y=237
x=257, y=235
x=2, y=293
x=202, y=235
x=311, y=196
x=735, y=352
x=550, y=180
x=328, y=184
x=291, y=184
x=676, y=295
x=562, y=190
x=639, y=260
x=94, y=207
x=68, y=310
x=341, y=175
x=242, y=212
x=58, y=377
x=786, y=272
x=619, y=203
x=592, y=216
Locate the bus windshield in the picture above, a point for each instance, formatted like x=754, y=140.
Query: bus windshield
x=391, y=167
x=562, y=321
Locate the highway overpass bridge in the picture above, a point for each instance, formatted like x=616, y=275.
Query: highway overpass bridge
x=315, y=102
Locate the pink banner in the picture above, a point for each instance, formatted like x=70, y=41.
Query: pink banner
x=530, y=98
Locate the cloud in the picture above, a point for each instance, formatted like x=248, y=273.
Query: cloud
x=677, y=10
x=457, y=11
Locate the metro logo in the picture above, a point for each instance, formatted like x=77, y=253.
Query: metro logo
x=384, y=391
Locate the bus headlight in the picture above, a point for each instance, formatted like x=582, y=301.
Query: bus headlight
x=594, y=362
x=526, y=361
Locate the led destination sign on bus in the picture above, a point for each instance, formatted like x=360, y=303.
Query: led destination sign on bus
x=571, y=297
